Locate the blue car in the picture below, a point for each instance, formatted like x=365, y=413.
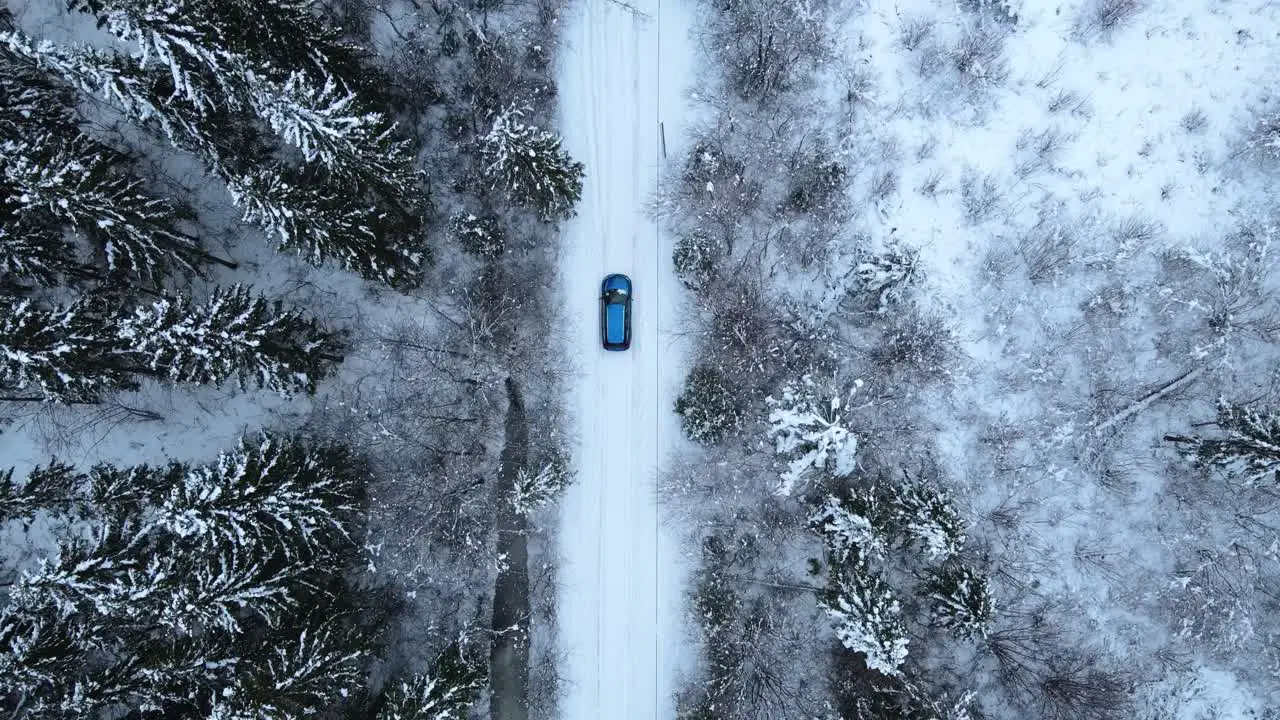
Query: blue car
x=615, y=312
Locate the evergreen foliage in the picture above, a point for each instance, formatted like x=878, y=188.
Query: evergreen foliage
x=182, y=590
x=66, y=354
x=232, y=335
x=445, y=693
x=960, y=601
x=482, y=236
x=322, y=212
x=322, y=224
x=867, y=617
x=707, y=407
x=867, y=531
x=76, y=183
x=1249, y=447
x=694, y=258
x=811, y=432
x=531, y=166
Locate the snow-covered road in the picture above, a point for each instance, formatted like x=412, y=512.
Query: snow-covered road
x=622, y=70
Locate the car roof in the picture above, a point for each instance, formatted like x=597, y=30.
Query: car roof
x=616, y=281
x=615, y=329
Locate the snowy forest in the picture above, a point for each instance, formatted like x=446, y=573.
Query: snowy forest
x=984, y=403
x=982, y=417
x=266, y=267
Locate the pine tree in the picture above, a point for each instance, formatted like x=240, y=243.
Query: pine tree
x=297, y=675
x=531, y=166
x=77, y=183
x=867, y=617
x=1249, y=448
x=707, y=407
x=855, y=528
x=318, y=219
x=537, y=488
x=232, y=335
x=694, y=258
x=270, y=491
x=31, y=250
x=960, y=601
x=811, y=432
x=67, y=354
x=215, y=61
x=144, y=95
x=33, y=255
x=39, y=650
x=320, y=225
x=447, y=692
x=928, y=517
x=48, y=487
x=173, y=600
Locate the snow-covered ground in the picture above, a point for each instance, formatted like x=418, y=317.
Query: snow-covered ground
x=622, y=72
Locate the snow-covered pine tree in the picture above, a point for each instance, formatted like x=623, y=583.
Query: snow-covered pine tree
x=270, y=491
x=30, y=252
x=960, y=600
x=47, y=487
x=204, y=50
x=157, y=602
x=113, y=492
x=320, y=221
x=88, y=575
x=289, y=34
x=40, y=650
x=1248, y=449
x=927, y=517
x=707, y=407
x=535, y=488
x=78, y=183
x=858, y=527
x=445, y=693
x=232, y=335
x=220, y=588
x=144, y=95
x=33, y=255
x=321, y=225
x=67, y=354
x=867, y=617
x=296, y=675
x=531, y=166
x=810, y=431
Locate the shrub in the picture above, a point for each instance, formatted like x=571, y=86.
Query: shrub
x=708, y=407
x=1264, y=140
x=915, y=342
x=915, y=31
x=1004, y=12
x=979, y=57
x=694, y=258
x=481, y=236
x=1047, y=249
x=815, y=185
x=1102, y=17
x=979, y=195
x=887, y=277
x=710, y=166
